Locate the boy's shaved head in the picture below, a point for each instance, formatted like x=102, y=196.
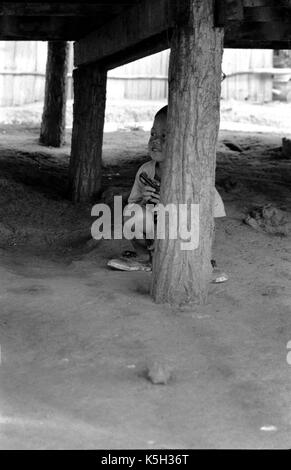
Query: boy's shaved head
x=162, y=112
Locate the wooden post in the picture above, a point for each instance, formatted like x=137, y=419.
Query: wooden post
x=87, y=138
x=53, y=124
x=189, y=174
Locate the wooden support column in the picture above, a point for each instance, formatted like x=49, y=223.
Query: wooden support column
x=189, y=174
x=53, y=124
x=87, y=138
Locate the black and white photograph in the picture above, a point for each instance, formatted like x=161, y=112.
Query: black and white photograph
x=145, y=227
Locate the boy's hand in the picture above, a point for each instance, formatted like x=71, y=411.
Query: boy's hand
x=150, y=195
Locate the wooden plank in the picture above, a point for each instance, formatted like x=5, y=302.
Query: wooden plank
x=257, y=33
x=268, y=14
x=61, y=9
x=226, y=10
x=141, y=30
x=258, y=3
x=46, y=28
x=266, y=3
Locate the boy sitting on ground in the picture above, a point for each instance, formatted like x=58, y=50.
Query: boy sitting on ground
x=147, y=196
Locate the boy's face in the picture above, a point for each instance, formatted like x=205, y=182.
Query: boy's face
x=157, y=142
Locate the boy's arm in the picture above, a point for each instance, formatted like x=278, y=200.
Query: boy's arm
x=136, y=194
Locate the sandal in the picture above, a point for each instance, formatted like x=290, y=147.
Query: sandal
x=218, y=276
x=127, y=264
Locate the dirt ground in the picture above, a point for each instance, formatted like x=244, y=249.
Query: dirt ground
x=76, y=337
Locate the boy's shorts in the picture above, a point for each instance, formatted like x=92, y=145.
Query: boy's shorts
x=218, y=209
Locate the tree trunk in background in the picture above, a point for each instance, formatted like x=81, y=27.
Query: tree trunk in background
x=87, y=138
x=189, y=175
x=53, y=124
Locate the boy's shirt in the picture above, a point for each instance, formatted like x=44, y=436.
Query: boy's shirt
x=150, y=169
x=136, y=193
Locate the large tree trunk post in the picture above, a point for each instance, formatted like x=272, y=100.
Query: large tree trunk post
x=189, y=175
x=89, y=110
x=53, y=124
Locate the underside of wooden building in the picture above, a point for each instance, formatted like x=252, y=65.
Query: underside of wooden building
x=247, y=23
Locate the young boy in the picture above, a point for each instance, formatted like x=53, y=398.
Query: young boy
x=144, y=194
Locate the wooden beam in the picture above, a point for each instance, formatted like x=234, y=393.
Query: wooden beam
x=132, y=34
x=252, y=11
x=150, y=46
x=257, y=35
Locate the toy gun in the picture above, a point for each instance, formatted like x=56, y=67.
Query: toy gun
x=147, y=181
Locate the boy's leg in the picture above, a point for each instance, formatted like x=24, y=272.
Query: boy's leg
x=144, y=230
x=218, y=276
x=141, y=249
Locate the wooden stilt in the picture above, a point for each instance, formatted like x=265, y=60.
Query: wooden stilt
x=54, y=113
x=189, y=174
x=87, y=138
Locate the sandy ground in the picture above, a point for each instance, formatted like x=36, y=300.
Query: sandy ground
x=273, y=117
x=77, y=337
